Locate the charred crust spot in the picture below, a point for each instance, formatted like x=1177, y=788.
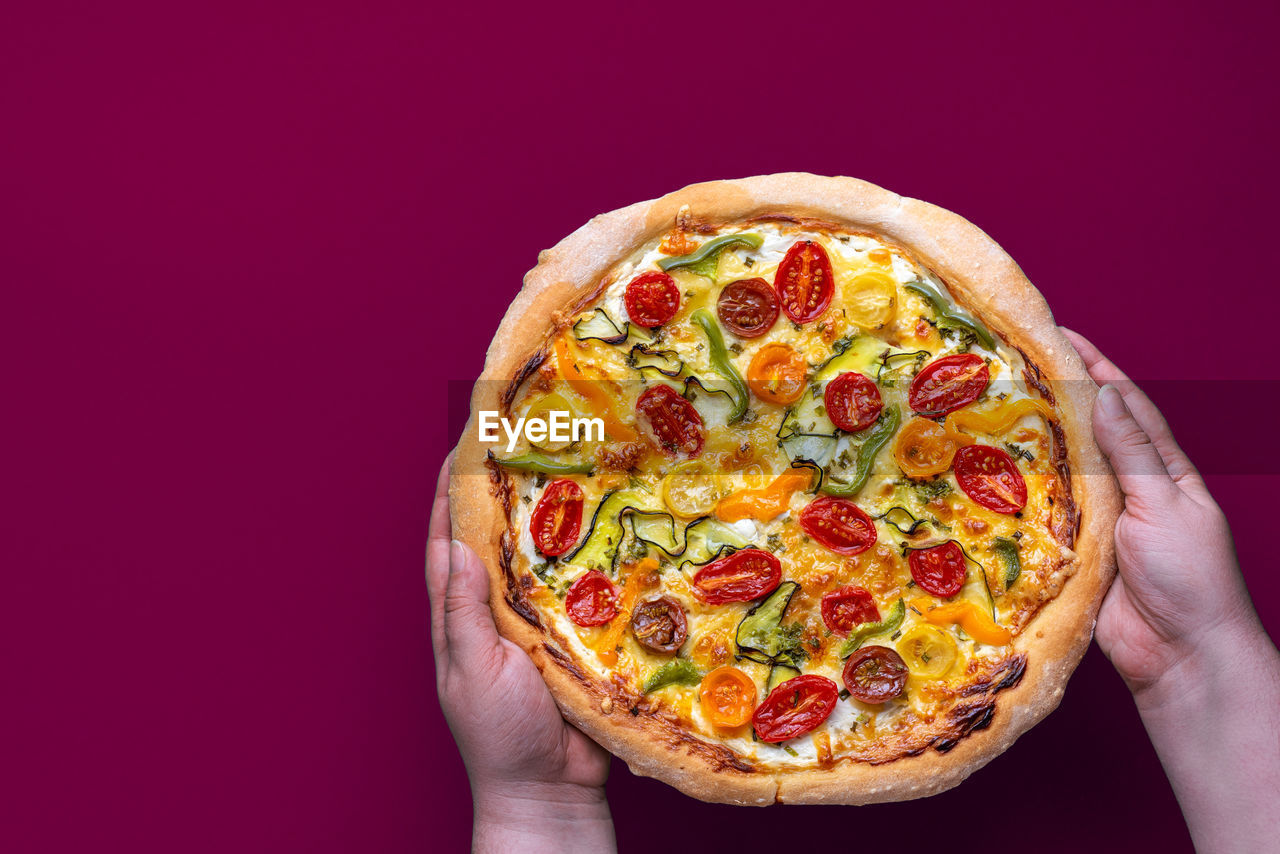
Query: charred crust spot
x=521, y=606
x=516, y=595
x=1016, y=667
x=1008, y=675
x=968, y=718
x=509, y=393
x=1065, y=516
x=562, y=658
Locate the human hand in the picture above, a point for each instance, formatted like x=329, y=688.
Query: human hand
x=536, y=781
x=1181, y=630
x=1179, y=592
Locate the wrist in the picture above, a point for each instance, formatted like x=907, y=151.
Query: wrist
x=1209, y=666
x=541, y=816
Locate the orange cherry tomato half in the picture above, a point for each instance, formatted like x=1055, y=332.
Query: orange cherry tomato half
x=777, y=374
x=838, y=524
x=948, y=383
x=592, y=600
x=990, y=477
x=652, y=299
x=804, y=281
x=848, y=607
x=740, y=577
x=748, y=307
x=939, y=570
x=875, y=674
x=672, y=420
x=728, y=697
x=557, y=519
x=852, y=401
x=795, y=707
x=923, y=448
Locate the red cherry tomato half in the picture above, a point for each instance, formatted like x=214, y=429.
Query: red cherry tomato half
x=939, y=570
x=748, y=308
x=558, y=518
x=990, y=477
x=804, y=281
x=852, y=401
x=948, y=383
x=592, y=600
x=874, y=674
x=848, y=607
x=838, y=524
x=795, y=707
x=652, y=299
x=740, y=577
x=674, y=422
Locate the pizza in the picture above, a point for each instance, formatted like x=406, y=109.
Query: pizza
x=795, y=497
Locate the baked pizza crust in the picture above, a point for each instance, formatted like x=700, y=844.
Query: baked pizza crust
x=981, y=277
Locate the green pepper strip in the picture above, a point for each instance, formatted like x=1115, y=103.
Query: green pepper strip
x=887, y=626
x=877, y=437
x=533, y=461
x=720, y=361
x=677, y=672
x=951, y=315
x=1007, y=550
x=709, y=250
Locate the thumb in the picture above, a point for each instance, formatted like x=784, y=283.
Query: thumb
x=1135, y=460
x=470, y=633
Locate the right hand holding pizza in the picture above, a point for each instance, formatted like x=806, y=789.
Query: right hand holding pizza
x=1181, y=630
x=537, y=782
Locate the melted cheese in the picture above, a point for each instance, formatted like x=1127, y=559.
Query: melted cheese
x=882, y=569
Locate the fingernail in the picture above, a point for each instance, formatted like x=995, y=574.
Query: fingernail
x=457, y=555
x=1111, y=402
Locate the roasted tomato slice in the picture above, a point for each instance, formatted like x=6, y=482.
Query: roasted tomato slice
x=748, y=308
x=874, y=674
x=652, y=299
x=660, y=624
x=838, y=524
x=592, y=600
x=558, y=518
x=777, y=374
x=852, y=401
x=924, y=449
x=848, y=607
x=804, y=281
x=740, y=577
x=795, y=707
x=672, y=420
x=948, y=383
x=728, y=697
x=990, y=477
x=939, y=570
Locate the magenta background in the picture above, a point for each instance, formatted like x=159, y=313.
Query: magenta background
x=244, y=247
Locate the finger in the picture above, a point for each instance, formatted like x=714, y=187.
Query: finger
x=1134, y=458
x=1104, y=371
x=468, y=623
x=438, y=538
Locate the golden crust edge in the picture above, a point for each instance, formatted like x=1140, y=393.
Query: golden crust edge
x=981, y=275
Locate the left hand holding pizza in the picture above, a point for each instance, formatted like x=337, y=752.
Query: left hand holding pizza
x=537, y=782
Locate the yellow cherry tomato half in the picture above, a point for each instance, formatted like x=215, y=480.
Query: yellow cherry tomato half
x=690, y=490
x=924, y=448
x=929, y=652
x=728, y=697
x=871, y=299
x=542, y=408
x=777, y=374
